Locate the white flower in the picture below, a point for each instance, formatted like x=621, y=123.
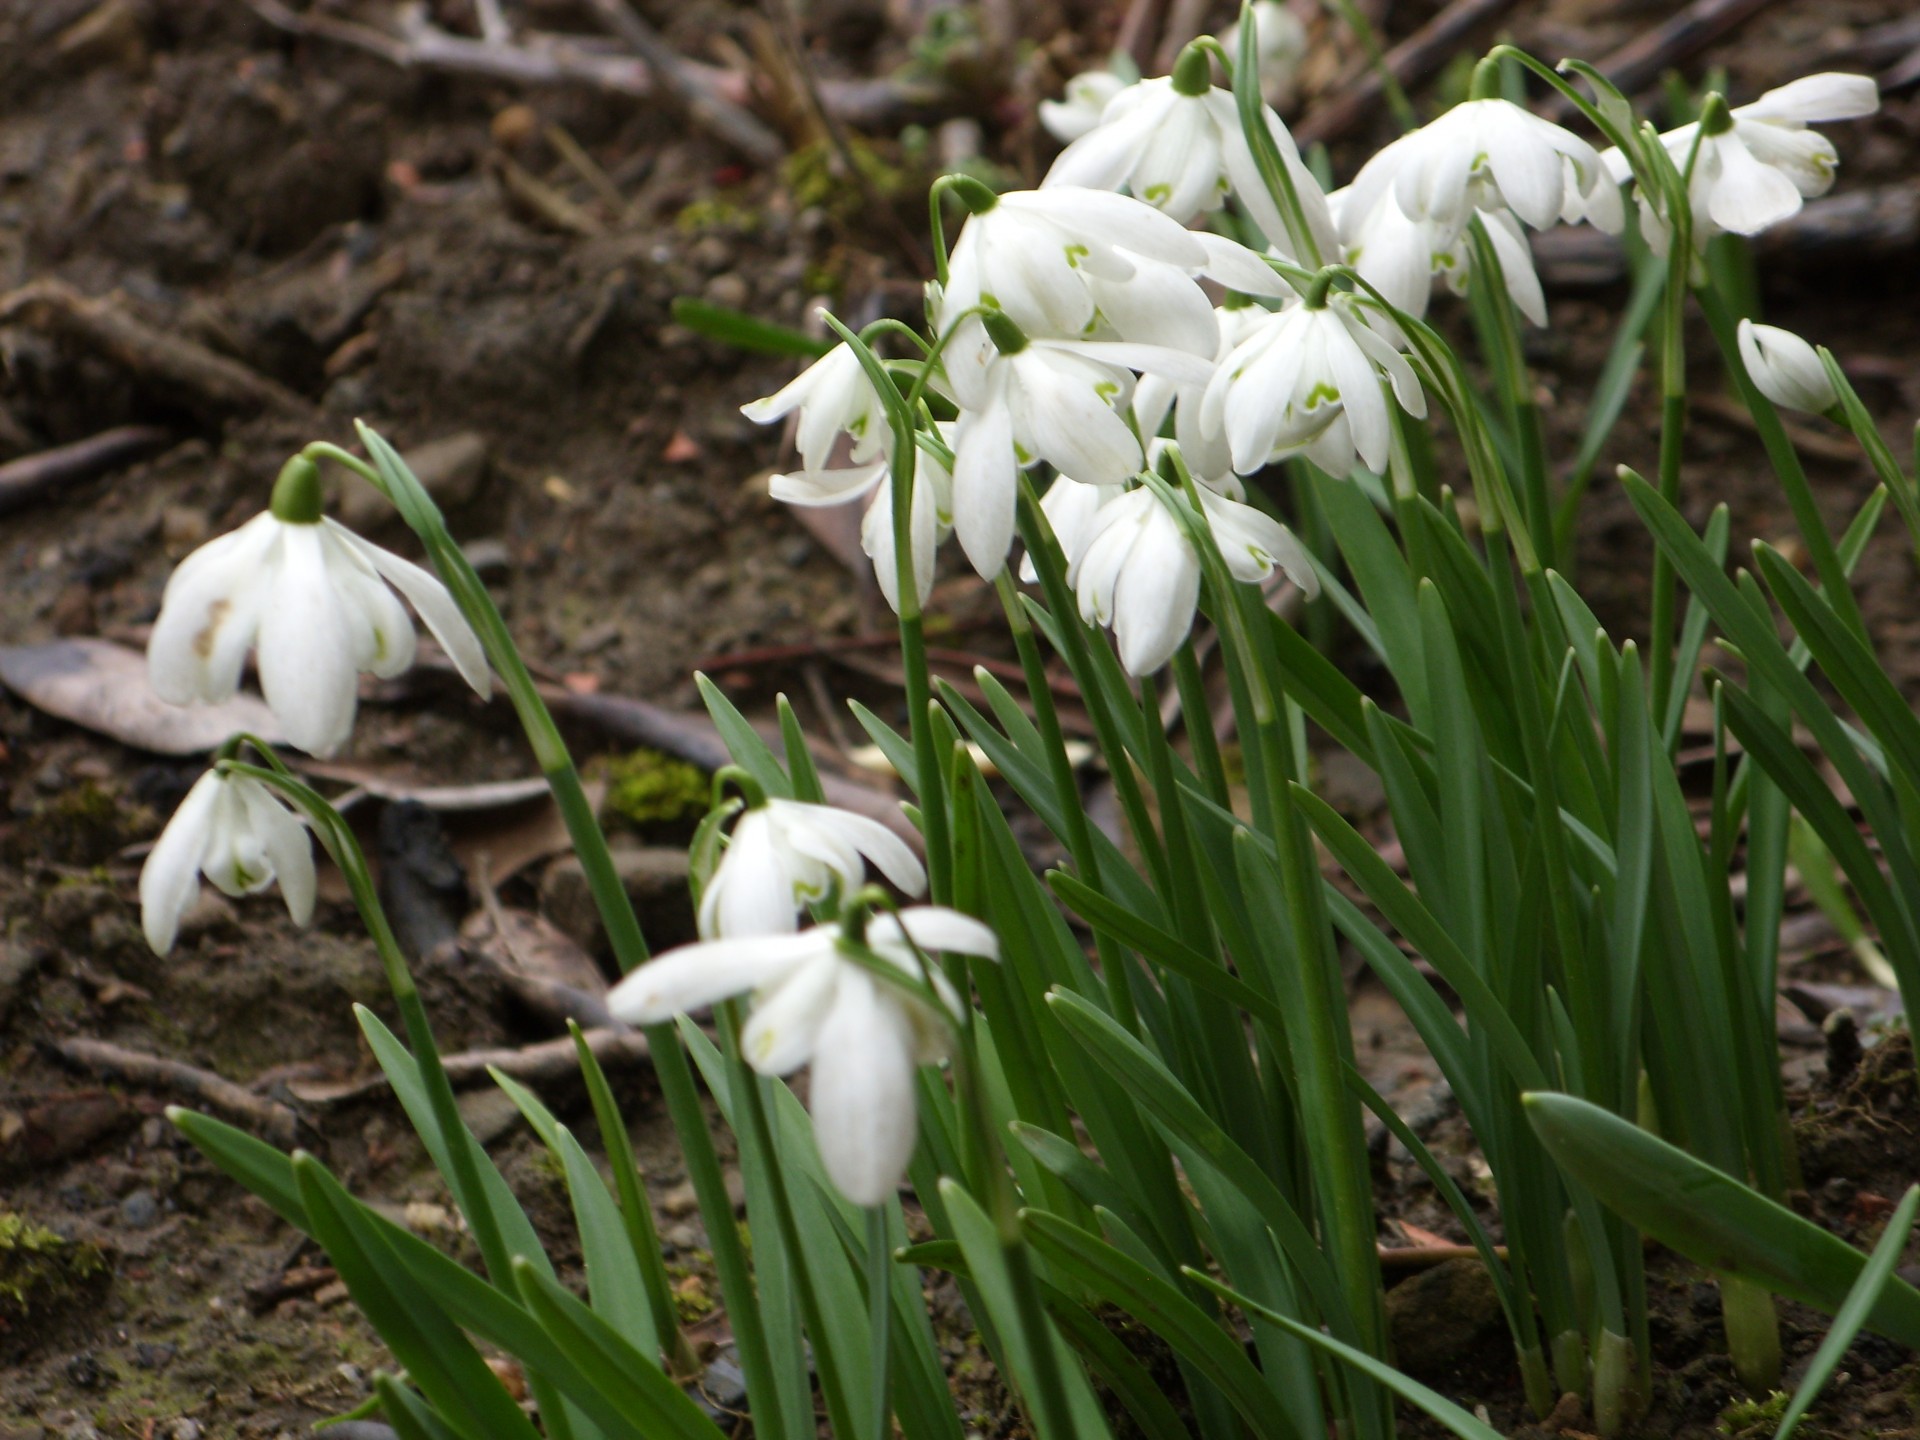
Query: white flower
x=787, y=854
x=1079, y=110
x=1786, y=369
x=315, y=600
x=1138, y=572
x=1039, y=400
x=1490, y=155
x=932, y=511
x=832, y=394
x=1032, y=252
x=1205, y=450
x=1308, y=381
x=1757, y=170
x=1069, y=507
x=813, y=1002
x=1183, y=151
x=239, y=834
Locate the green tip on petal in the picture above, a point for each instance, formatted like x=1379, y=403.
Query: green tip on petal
x=1715, y=117
x=296, y=494
x=1008, y=338
x=1193, y=71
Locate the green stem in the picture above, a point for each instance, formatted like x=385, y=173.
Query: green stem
x=880, y=1317
x=1510, y=365
x=1673, y=425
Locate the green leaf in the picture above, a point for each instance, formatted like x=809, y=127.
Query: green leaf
x=745, y=332
x=605, y=1357
x=1158, y=1304
x=440, y=1360
x=1407, y=1388
x=1865, y=1294
x=1710, y=1217
x=749, y=751
x=254, y=1163
x=409, y=1415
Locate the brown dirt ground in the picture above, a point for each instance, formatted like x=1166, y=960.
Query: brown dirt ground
x=340, y=227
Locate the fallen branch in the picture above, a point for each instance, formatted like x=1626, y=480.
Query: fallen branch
x=208, y=383
x=698, y=103
x=542, y=1062
x=275, y=1122
x=31, y=476
x=1697, y=26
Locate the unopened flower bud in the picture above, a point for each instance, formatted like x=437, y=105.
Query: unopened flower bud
x=1785, y=368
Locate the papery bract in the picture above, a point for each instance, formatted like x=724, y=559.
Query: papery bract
x=241, y=836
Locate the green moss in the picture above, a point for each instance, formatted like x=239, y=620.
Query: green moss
x=648, y=788
x=816, y=177
x=39, y=1270
x=717, y=213
x=1756, y=1417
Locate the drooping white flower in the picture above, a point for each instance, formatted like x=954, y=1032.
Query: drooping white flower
x=1078, y=110
x=814, y=1002
x=1177, y=144
x=1204, y=449
x=1069, y=507
x=241, y=836
x=1022, y=401
x=832, y=394
x=1137, y=569
x=786, y=854
x=1785, y=368
x=1490, y=155
x=1308, y=381
x=318, y=605
x=932, y=515
x=1758, y=163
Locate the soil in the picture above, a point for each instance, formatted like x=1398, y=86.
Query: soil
x=359, y=235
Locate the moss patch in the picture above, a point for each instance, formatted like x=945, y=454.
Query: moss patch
x=40, y=1271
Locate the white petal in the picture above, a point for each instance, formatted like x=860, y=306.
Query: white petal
x=434, y=605
x=1786, y=368
x=171, y=877
x=1528, y=170
x=1063, y=416
x=1746, y=196
x=381, y=630
x=209, y=615
x=751, y=893
x=862, y=1095
x=1829, y=96
x=306, y=647
x=890, y=854
x=287, y=846
x=698, y=975
x=826, y=487
x=984, y=487
x=1154, y=601
x=781, y=1034
x=1238, y=268
x=1161, y=305
x=935, y=927
x=1104, y=218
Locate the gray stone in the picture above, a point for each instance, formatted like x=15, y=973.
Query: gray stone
x=450, y=468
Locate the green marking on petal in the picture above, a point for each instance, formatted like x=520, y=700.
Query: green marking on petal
x=1022, y=454
x=1157, y=194
x=1322, y=394
x=1107, y=390
x=1075, y=254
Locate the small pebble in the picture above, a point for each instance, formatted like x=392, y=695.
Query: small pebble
x=139, y=1210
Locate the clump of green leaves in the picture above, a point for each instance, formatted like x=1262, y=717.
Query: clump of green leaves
x=1756, y=1417
x=646, y=788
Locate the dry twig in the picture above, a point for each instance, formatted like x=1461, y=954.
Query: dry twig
x=1412, y=60
x=31, y=476
x=276, y=1122
x=205, y=381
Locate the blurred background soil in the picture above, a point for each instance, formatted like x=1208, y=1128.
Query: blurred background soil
x=229, y=227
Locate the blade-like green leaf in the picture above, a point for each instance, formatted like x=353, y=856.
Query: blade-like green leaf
x=1852, y=1315
x=749, y=751
x=1710, y=1217
x=744, y=331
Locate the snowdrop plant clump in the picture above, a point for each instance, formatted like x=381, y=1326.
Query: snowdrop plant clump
x=1128, y=1086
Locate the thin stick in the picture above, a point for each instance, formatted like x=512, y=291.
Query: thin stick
x=274, y=1121
x=31, y=476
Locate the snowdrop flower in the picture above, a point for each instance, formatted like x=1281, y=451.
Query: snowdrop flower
x=832, y=394
x=1756, y=164
x=1177, y=144
x=787, y=854
x=318, y=604
x=1032, y=253
x=1070, y=508
x=1490, y=155
x=1023, y=401
x=813, y=1002
x=1138, y=572
x=1786, y=369
x=239, y=834
x=1078, y=111
x=1205, y=450
x=932, y=511
x=1307, y=381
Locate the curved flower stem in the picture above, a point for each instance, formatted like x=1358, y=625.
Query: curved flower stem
x=1510, y=366
x=469, y=1189
x=391, y=475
